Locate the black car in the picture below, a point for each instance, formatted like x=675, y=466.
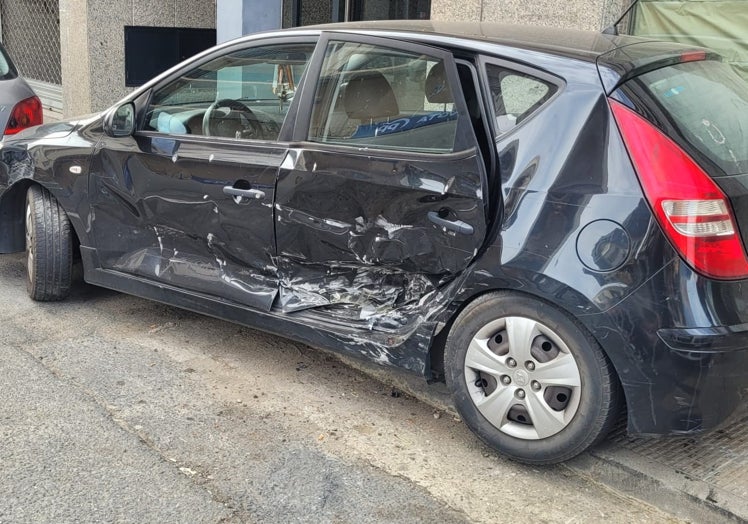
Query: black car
x=554, y=222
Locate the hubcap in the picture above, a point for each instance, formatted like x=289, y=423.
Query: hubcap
x=29, y=243
x=499, y=388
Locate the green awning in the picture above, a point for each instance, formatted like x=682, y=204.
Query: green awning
x=721, y=25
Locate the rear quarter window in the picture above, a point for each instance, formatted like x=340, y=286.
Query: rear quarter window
x=516, y=95
x=707, y=102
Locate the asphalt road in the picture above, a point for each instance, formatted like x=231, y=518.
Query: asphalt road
x=113, y=408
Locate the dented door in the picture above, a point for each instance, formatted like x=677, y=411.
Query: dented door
x=188, y=200
x=382, y=203
x=165, y=212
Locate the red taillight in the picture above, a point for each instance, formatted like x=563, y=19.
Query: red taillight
x=694, y=213
x=692, y=56
x=27, y=113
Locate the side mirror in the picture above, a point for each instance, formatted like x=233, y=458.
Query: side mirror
x=120, y=121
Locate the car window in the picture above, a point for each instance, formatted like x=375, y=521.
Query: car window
x=377, y=97
x=244, y=94
x=515, y=95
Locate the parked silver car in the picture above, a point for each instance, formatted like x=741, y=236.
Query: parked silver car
x=19, y=106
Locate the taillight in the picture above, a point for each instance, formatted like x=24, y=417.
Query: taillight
x=25, y=114
x=694, y=213
x=692, y=56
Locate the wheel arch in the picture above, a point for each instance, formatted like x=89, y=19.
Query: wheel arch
x=594, y=324
x=12, y=217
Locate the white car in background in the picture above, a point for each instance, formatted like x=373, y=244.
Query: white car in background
x=19, y=106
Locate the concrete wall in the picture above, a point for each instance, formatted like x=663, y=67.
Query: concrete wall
x=575, y=14
x=93, y=44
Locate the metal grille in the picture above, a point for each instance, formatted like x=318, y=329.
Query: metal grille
x=31, y=34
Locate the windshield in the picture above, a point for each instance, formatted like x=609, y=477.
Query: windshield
x=707, y=101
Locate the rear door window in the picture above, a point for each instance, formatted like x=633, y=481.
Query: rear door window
x=707, y=102
x=383, y=98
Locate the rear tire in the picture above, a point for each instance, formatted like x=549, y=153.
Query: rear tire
x=49, y=247
x=529, y=380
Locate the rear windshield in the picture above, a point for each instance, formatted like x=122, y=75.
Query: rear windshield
x=707, y=101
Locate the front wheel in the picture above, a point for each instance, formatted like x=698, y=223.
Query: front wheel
x=528, y=380
x=49, y=247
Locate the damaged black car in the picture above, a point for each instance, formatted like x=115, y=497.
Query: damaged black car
x=553, y=222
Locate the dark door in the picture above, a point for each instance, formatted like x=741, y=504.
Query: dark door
x=188, y=201
x=381, y=202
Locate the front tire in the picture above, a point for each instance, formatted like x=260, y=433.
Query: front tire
x=49, y=247
x=528, y=380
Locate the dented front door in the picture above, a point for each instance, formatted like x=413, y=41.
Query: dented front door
x=382, y=202
x=188, y=200
x=166, y=212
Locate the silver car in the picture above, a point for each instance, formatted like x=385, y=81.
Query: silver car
x=19, y=106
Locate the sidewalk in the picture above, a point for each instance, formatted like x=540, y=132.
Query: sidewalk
x=697, y=479
x=703, y=479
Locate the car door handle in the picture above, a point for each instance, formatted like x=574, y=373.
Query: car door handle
x=243, y=193
x=457, y=226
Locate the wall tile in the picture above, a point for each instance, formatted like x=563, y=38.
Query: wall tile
x=455, y=10
x=196, y=13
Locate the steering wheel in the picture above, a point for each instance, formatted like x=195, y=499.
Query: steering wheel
x=232, y=119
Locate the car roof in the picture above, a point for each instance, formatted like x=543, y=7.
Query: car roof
x=621, y=56
x=572, y=43
x=526, y=44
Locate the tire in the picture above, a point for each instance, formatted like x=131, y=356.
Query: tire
x=49, y=247
x=528, y=380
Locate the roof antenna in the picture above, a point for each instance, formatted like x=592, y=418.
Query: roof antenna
x=613, y=28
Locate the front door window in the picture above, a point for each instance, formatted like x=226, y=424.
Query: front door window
x=243, y=95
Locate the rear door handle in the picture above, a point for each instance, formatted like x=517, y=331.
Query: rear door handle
x=243, y=193
x=457, y=226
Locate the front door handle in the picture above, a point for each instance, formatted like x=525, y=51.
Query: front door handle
x=457, y=226
x=243, y=193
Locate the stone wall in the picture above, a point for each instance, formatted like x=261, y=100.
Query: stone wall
x=93, y=44
x=574, y=14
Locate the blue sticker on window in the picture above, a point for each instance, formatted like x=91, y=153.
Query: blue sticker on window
x=403, y=124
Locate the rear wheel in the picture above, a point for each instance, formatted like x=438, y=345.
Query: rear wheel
x=528, y=380
x=49, y=247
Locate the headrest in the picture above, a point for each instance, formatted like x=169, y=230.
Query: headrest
x=368, y=96
x=437, y=87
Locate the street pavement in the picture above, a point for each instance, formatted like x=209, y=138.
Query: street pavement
x=118, y=409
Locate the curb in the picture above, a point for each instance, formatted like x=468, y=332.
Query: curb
x=665, y=488
x=608, y=463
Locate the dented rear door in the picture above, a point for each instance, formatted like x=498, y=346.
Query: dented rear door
x=380, y=201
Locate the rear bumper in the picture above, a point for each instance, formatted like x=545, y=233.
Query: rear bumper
x=680, y=347
x=693, y=390
x=706, y=340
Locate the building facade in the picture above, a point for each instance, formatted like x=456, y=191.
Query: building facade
x=79, y=58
